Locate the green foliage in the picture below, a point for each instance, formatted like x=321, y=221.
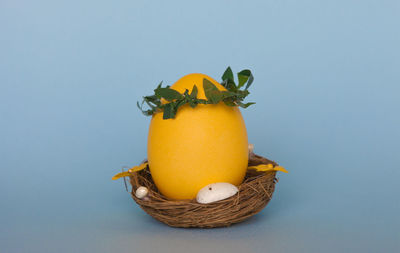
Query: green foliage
x=233, y=96
x=213, y=95
x=167, y=94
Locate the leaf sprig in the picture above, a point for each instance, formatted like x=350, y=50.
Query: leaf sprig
x=233, y=96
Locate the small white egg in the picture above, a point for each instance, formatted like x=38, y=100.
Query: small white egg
x=251, y=148
x=215, y=192
x=141, y=192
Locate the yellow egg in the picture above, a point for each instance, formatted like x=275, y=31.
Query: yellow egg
x=202, y=145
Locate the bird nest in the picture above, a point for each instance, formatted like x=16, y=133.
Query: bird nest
x=254, y=194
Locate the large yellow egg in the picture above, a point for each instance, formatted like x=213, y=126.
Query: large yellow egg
x=200, y=146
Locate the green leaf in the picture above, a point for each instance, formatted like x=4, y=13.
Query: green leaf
x=209, y=86
x=245, y=105
x=228, y=94
x=194, y=92
x=229, y=103
x=148, y=112
x=186, y=93
x=145, y=112
x=242, y=94
x=192, y=103
x=243, y=76
x=149, y=104
x=179, y=103
x=138, y=105
x=167, y=93
x=231, y=86
x=169, y=111
x=202, y=101
x=250, y=81
x=224, y=83
x=211, y=91
x=152, y=99
x=228, y=74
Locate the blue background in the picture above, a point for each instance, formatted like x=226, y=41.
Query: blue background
x=328, y=98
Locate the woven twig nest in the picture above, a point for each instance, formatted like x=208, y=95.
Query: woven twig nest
x=254, y=194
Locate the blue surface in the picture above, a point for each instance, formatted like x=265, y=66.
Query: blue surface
x=327, y=87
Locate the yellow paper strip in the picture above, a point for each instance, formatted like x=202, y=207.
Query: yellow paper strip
x=267, y=167
x=131, y=170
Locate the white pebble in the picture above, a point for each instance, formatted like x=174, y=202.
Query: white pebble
x=215, y=192
x=141, y=192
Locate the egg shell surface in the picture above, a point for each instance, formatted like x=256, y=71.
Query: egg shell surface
x=215, y=192
x=200, y=146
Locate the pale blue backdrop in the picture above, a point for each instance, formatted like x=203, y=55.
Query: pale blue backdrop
x=327, y=87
